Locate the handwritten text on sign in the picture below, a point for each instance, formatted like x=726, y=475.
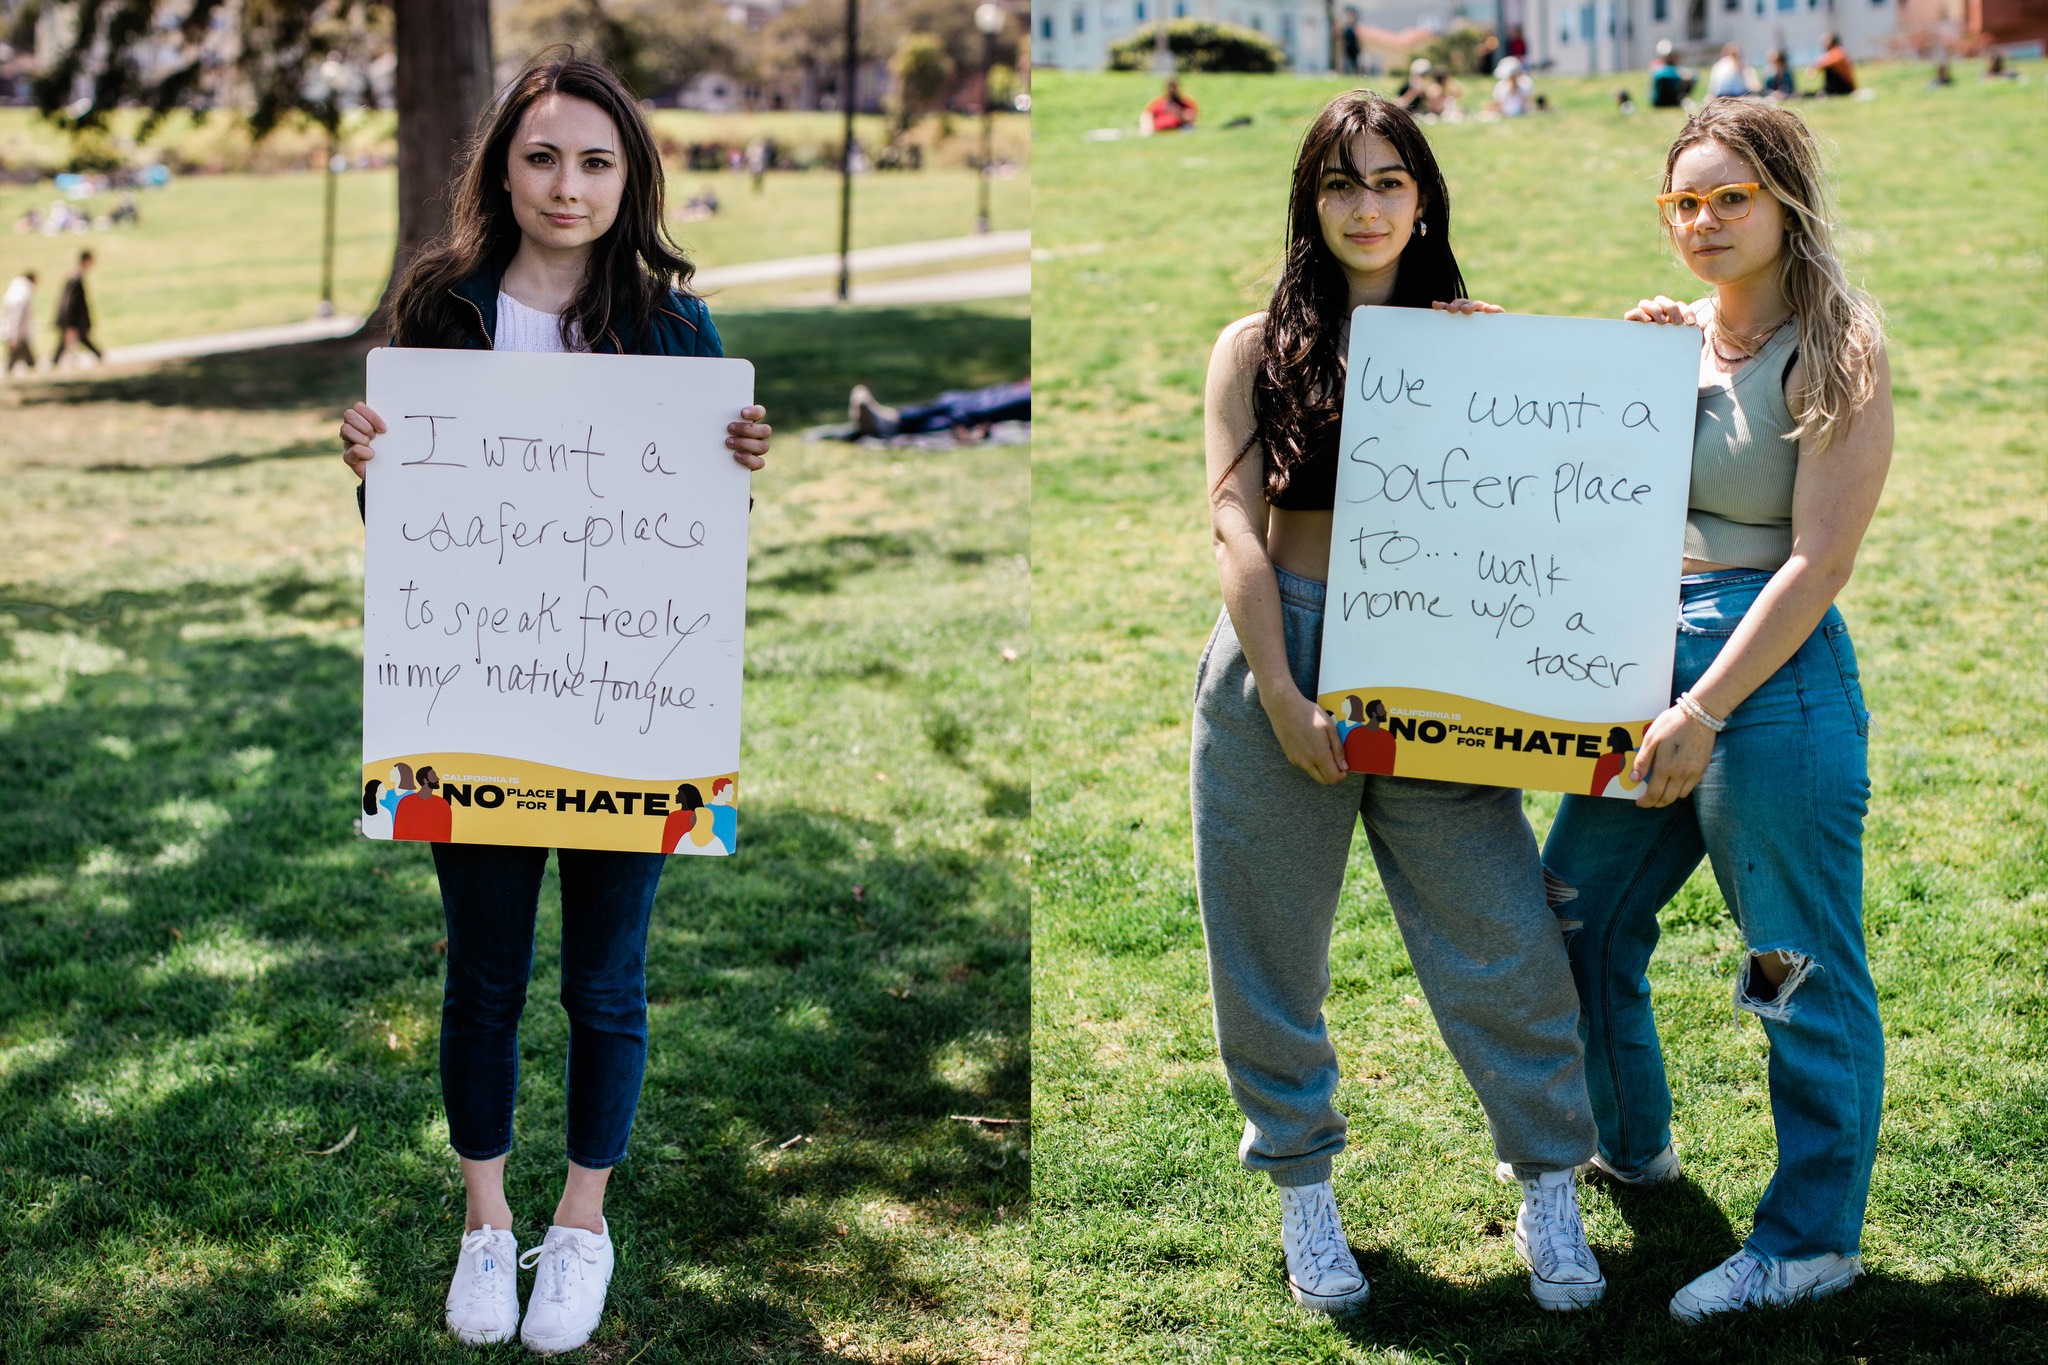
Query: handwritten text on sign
x=1504, y=558
x=554, y=598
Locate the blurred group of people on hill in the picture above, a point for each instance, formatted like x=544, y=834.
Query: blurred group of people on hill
x=64, y=216
x=73, y=318
x=1672, y=86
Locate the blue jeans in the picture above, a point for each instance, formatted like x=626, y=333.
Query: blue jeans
x=969, y=408
x=1780, y=814
x=489, y=895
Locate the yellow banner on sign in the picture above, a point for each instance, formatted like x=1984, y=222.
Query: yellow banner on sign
x=1410, y=732
x=479, y=799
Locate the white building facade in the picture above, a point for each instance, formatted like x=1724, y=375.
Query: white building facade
x=1575, y=37
x=1076, y=34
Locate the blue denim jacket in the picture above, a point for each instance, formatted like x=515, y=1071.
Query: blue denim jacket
x=680, y=326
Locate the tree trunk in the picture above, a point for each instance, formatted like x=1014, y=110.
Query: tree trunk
x=443, y=83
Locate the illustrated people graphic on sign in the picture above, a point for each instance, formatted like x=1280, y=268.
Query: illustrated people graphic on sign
x=422, y=815
x=725, y=817
x=1368, y=743
x=683, y=819
x=376, y=821
x=397, y=788
x=1611, y=776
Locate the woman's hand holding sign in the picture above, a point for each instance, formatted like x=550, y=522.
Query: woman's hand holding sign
x=1661, y=309
x=1308, y=737
x=1673, y=758
x=747, y=438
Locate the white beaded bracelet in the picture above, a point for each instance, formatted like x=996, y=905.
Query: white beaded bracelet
x=1691, y=706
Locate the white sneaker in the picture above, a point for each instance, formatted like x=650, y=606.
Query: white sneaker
x=483, y=1298
x=1655, y=1171
x=1747, y=1280
x=572, y=1269
x=1552, y=1242
x=1321, y=1272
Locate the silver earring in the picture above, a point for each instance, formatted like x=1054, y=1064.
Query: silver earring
x=1422, y=228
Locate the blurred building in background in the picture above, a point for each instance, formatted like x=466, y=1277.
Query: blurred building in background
x=1076, y=34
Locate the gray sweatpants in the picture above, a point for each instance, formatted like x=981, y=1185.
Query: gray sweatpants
x=1462, y=873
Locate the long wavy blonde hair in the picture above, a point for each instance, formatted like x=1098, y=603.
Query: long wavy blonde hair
x=1840, y=327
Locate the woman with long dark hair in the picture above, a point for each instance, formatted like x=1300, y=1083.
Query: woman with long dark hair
x=556, y=242
x=1274, y=804
x=1759, y=765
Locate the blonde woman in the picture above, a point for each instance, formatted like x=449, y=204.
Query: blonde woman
x=1759, y=764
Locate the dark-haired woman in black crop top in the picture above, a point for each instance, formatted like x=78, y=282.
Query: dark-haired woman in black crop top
x=1274, y=807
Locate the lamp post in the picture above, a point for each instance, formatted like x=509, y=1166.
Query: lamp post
x=328, y=84
x=988, y=17
x=850, y=73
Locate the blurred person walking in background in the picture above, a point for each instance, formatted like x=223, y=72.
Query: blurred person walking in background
x=74, y=314
x=17, y=321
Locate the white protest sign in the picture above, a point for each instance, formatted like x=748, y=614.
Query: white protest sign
x=554, y=599
x=1504, y=560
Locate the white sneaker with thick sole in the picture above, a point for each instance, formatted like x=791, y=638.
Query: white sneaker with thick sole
x=1321, y=1272
x=572, y=1269
x=483, y=1298
x=1747, y=1280
x=1551, y=1241
x=1655, y=1171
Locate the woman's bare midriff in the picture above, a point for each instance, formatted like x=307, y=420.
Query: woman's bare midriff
x=1707, y=566
x=1299, y=542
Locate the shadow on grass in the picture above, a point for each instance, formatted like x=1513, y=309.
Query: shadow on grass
x=315, y=374
x=299, y=450
x=802, y=364
x=206, y=979
x=1680, y=1232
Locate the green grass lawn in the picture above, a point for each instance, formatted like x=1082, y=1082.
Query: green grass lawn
x=217, y=253
x=1150, y=1244
x=207, y=980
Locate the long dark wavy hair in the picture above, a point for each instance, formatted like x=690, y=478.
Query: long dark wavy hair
x=1298, y=388
x=631, y=268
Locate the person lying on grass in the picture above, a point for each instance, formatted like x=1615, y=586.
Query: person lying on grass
x=556, y=243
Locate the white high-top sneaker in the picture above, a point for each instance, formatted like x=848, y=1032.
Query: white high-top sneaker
x=572, y=1268
x=1551, y=1241
x=1321, y=1272
x=1747, y=1280
x=483, y=1298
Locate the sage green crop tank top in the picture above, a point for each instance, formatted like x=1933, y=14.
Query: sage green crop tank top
x=1744, y=460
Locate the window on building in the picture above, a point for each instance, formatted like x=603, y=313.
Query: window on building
x=1586, y=22
x=1045, y=28
x=1139, y=10
x=1788, y=4
x=1660, y=11
x=1180, y=9
x=1080, y=22
x=1732, y=6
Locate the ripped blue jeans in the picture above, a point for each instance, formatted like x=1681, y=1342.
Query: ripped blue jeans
x=1780, y=814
